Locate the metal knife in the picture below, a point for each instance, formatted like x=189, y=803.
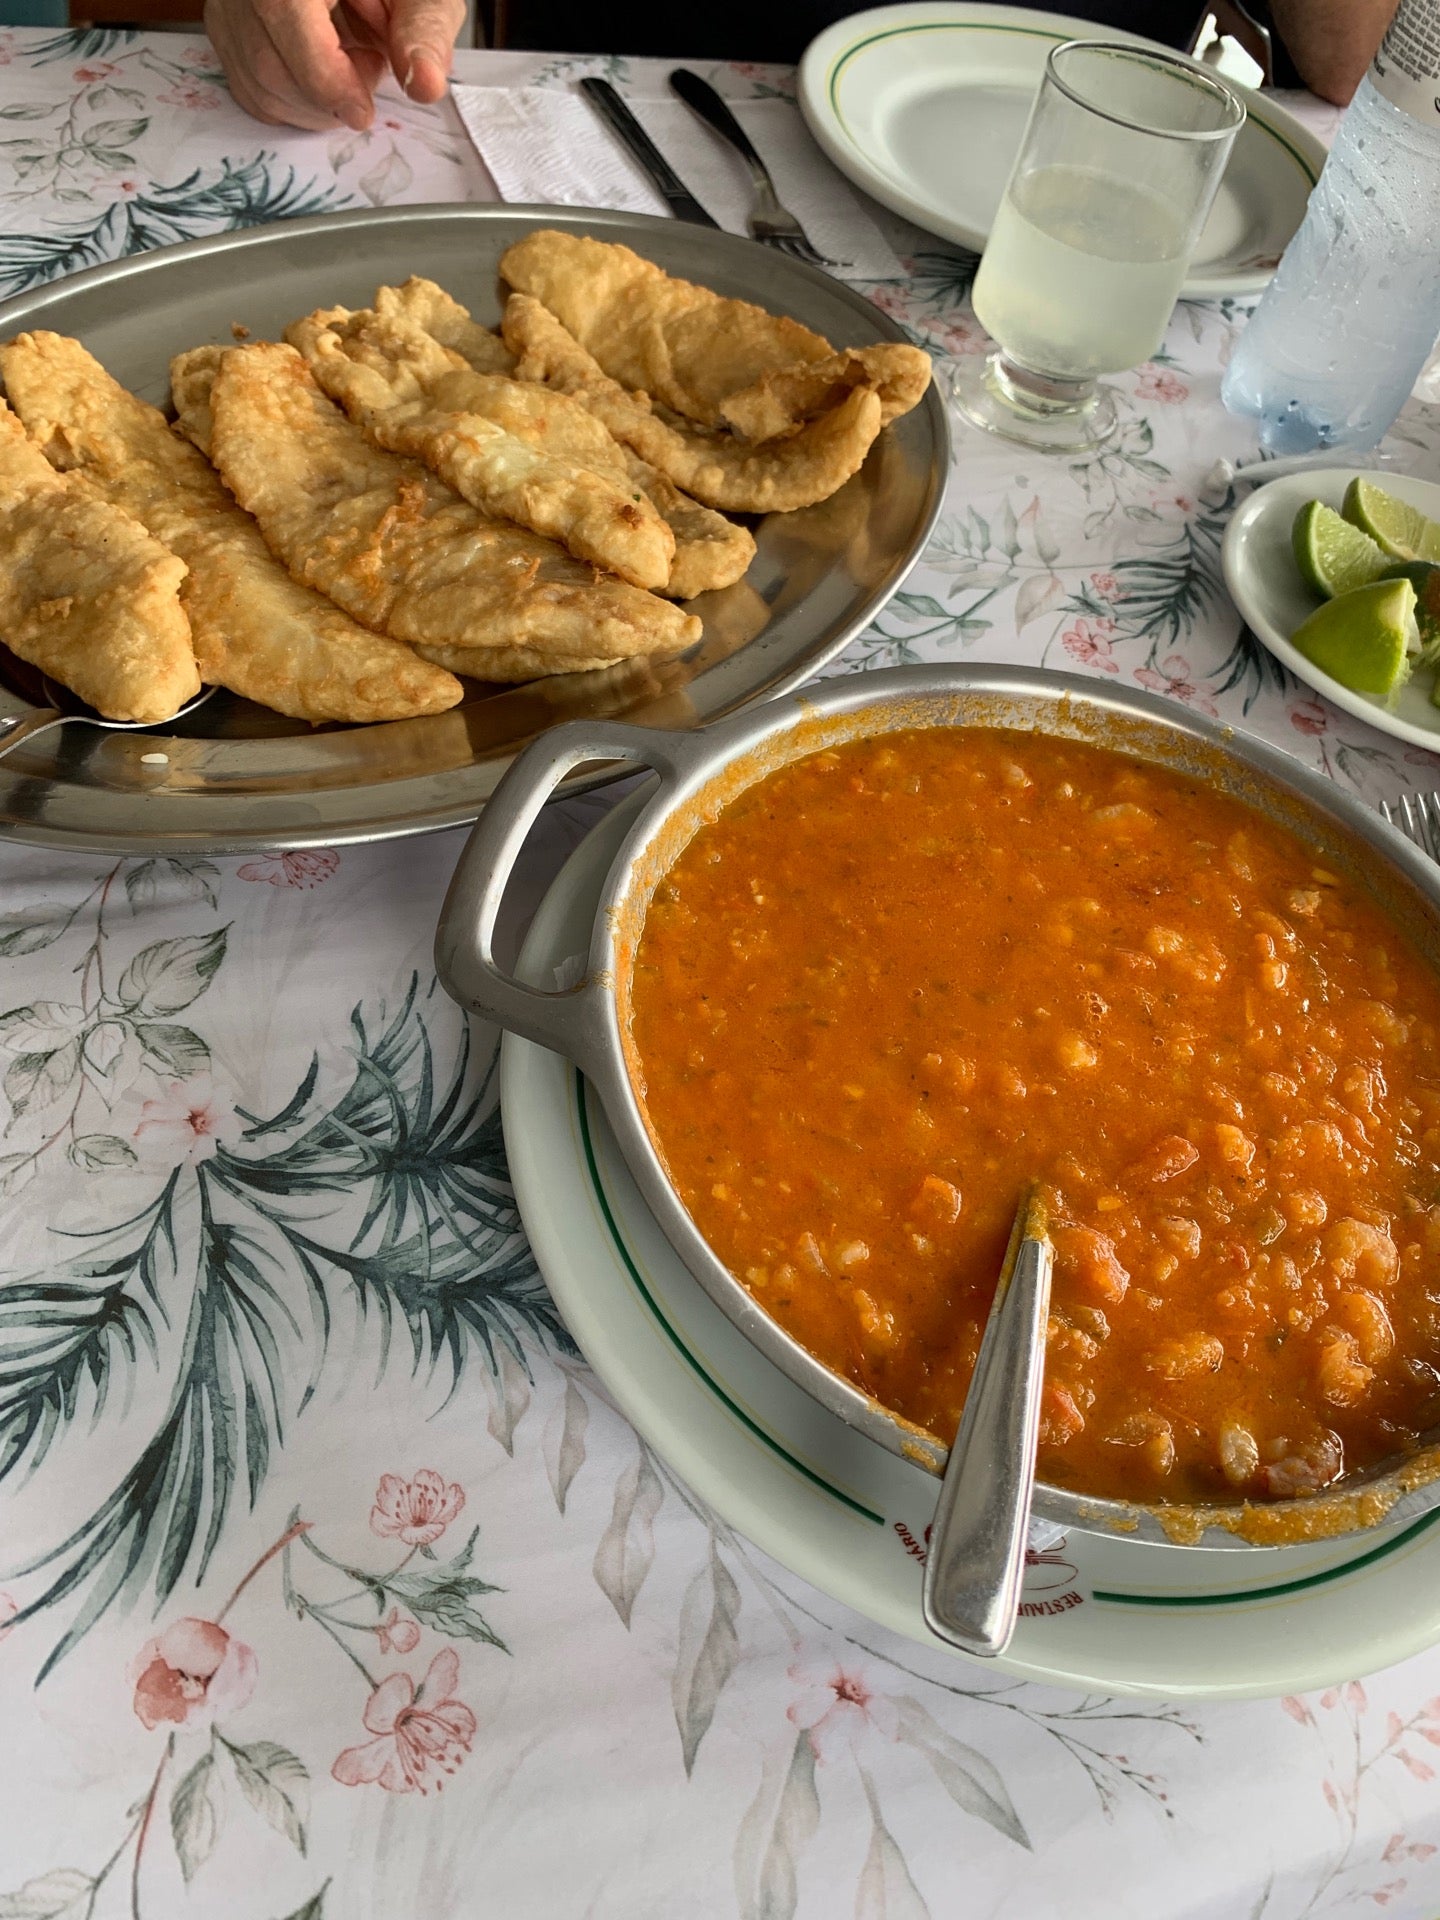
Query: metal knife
x=658, y=170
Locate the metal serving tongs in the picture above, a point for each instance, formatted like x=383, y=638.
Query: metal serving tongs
x=46, y=704
x=976, y=1560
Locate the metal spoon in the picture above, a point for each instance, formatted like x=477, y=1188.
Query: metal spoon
x=50, y=705
x=971, y=1593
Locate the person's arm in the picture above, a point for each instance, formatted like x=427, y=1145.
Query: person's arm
x=1332, y=42
x=306, y=63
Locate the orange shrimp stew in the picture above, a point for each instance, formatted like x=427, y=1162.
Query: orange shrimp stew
x=897, y=979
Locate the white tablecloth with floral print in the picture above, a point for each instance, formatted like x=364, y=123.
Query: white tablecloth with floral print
x=310, y=1507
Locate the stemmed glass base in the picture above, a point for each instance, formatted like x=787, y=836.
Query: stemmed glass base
x=1053, y=416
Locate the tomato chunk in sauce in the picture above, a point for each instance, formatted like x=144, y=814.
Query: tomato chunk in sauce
x=900, y=978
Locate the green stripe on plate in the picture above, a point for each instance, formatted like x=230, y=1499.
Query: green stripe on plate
x=842, y=60
x=1247, y=1594
x=677, y=1342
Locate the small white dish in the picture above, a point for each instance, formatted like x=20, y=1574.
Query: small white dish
x=1265, y=584
x=1097, y=1612
x=923, y=106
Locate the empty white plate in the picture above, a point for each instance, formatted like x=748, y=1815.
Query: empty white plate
x=923, y=106
x=1265, y=584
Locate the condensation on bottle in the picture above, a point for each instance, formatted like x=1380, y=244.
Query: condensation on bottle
x=1333, y=350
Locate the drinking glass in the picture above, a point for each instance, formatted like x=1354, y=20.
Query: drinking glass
x=1119, y=165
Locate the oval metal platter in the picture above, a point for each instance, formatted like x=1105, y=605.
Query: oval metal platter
x=237, y=777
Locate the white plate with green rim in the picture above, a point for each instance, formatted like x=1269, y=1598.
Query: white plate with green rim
x=1098, y=1613
x=1265, y=584
x=923, y=106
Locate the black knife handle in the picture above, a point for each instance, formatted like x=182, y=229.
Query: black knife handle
x=699, y=95
x=613, y=110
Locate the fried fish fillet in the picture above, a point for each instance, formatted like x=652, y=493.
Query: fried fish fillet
x=254, y=630
x=710, y=551
x=782, y=401
x=716, y=361
x=85, y=594
x=682, y=344
x=410, y=395
x=716, y=468
x=192, y=375
x=425, y=305
x=397, y=549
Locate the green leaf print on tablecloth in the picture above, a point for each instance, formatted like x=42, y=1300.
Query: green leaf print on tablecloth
x=417, y=1231
x=79, y=43
x=249, y=193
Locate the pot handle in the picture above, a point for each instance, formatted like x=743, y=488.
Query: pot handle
x=563, y=1019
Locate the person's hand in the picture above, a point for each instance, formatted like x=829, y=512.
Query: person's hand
x=306, y=63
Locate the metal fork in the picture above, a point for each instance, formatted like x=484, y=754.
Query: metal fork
x=1417, y=816
x=769, y=222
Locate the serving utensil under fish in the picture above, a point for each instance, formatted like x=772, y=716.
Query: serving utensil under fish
x=971, y=1594
x=49, y=705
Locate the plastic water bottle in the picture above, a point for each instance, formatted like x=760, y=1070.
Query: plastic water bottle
x=1331, y=353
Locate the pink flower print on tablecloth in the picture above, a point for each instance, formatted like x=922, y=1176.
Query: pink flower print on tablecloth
x=958, y=337
x=1156, y=383
x=311, y=867
x=9, y=1607
x=1175, y=677
x=1105, y=586
x=1088, y=642
x=192, y=94
x=418, y=1734
x=187, y=1122
x=399, y=1633
x=1309, y=716
x=837, y=1706
x=1397, y=1847
x=192, y=1673
x=416, y=1511
x=760, y=75
x=95, y=71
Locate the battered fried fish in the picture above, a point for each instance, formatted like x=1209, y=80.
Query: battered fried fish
x=780, y=402
x=254, y=630
x=710, y=551
x=425, y=305
x=716, y=361
x=683, y=344
x=410, y=395
x=192, y=374
x=397, y=549
x=716, y=468
x=85, y=594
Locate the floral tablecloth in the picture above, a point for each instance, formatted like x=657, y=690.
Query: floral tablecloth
x=310, y=1508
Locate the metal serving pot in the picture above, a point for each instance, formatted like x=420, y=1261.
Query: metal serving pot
x=699, y=775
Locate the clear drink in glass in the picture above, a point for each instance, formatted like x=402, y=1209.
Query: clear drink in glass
x=1118, y=168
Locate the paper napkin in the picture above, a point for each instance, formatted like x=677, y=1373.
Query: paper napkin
x=547, y=144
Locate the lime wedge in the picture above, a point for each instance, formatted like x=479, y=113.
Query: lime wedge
x=1402, y=530
x=1332, y=555
x=1424, y=576
x=1362, y=638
